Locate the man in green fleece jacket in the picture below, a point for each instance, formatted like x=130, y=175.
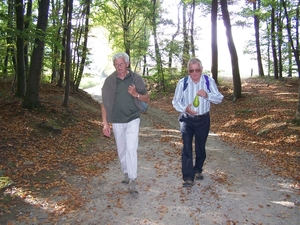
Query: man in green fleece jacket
x=121, y=93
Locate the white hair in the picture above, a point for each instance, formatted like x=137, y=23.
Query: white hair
x=121, y=55
x=194, y=61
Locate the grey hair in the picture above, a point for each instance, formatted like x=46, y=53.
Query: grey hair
x=121, y=55
x=194, y=61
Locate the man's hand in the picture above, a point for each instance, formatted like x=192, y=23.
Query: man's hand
x=106, y=130
x=190, y=111
x=202, y=93
x=132, y=90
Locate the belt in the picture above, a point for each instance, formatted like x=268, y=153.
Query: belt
x=197, y=116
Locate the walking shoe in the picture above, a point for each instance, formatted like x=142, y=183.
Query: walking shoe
x=126, y=179
x=132, y=187
x=199, y=176
x=188, y=183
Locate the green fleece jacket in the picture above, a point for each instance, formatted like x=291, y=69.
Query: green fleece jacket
x=109, y=88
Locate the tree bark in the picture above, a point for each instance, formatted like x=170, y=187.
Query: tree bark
x=156, y=46
x=186, y=46
x=237, y=88
x=192, y=29
x=295, y=50
x=257, y=40
x=214, y=40
x=21, y=84
x=85, y=49
x=31, y=99
x=63, y=51
x=273, y=41
x=68, y=52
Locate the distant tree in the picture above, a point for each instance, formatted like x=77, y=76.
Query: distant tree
x=85, y=28
x=273, y=43
x=214, y=40
x=186, y=45
x=63, y=44
x=193, y=8
x=10, y=47
x=237, y=87
x=257, y=37
x=158, y=59
x=296, y=49
x=31, y=99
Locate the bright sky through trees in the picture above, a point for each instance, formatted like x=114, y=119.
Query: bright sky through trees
x=101, y=52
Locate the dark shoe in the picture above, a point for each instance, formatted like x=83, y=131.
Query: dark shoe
x=126, y=179
x=199, y=176
x=188, y=184
x=132, y=187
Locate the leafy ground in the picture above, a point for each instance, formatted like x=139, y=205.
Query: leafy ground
x=40, y=149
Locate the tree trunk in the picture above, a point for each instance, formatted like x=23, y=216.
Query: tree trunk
x=257, y=40
x=10, y=50
x=21, y=84
x=186, y=46
x=57, y=24
x=31, y=99
x=273, y=40
x=86, y=33
x=156, y=46
x=68, y=52
x=173, y=39
x=214, y=40
x=237, y=88
x=295, y=50
x=192, y=29
x=279, y=41
x=63, y=51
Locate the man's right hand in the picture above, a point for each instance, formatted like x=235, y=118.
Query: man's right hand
x=190, y=111
x=106, y=130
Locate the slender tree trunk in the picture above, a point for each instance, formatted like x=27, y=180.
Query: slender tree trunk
x=214, y=40
x=269, y=47
x=10, y=50
x=173, y=39
x=63, y=51
x=192, y=29
x=68, y=52
x=257, y=40
x=186, y=46
x=57, y=23
x=21, y=84
x=156, y=45
x=295, y=50
x=279, y=41
x=85, y=50
x=31, y=99
x=237, y=87
x=273, y=40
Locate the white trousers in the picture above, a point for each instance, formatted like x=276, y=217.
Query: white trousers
x=127, y=140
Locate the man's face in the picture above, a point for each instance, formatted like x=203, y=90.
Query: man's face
x=195, y=71
x=121, y=66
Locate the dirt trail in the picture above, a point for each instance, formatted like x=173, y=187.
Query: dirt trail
x=235, y=189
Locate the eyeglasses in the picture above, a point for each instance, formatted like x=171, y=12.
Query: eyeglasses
x=195, y=71
x=120, y=64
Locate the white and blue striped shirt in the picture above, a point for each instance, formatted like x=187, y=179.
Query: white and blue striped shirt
x=182, y=99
